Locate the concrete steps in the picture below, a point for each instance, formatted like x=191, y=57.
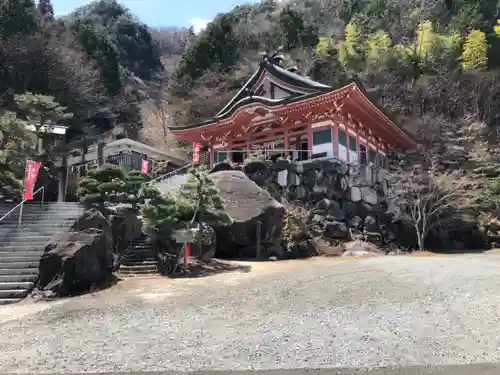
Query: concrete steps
x=139, y=259
x=22, y=247
x=18, y=278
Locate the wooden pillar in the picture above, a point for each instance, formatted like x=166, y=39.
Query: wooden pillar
x=345, y=120
x=248, y=146
x=335, y=139
x=309, y=140
x=286, y=144
x=230, y=151
x=358, y=150
x=211, y=156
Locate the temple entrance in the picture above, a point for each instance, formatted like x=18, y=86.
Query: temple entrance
x=238, y=156
x=304, y=150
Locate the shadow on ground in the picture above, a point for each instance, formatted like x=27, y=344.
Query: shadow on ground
x=47, y=295
x=199, y=268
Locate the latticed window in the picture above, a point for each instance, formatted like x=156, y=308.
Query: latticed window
x=220, y=156
x=362, y=154
x=372, y=155
x=321, y=137
x=342, y=145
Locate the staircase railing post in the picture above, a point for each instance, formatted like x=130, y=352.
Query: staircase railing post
x=19, y=221
x=43, y=196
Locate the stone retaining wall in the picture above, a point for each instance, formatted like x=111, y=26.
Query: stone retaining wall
x=345, y=201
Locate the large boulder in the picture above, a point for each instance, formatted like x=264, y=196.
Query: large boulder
x=247, y=205
x=75, y=262
x=94, y=219
x=258, y=171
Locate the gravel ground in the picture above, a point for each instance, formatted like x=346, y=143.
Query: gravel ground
x=387, y=311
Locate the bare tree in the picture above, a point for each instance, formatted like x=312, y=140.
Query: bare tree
x=423, y=198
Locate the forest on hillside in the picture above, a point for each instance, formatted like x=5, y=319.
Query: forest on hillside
x=423, y=58
x=99, y=66
x=434, y=64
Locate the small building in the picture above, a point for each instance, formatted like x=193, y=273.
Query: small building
x=282, y=113
x=81, y=156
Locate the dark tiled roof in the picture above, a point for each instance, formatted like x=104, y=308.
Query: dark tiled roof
x=282, y=74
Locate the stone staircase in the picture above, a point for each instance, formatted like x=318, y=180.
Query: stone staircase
x=138, y=260
x=21, y=247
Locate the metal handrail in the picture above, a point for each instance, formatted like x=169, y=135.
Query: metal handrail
x=169, y=174
x=21, y=205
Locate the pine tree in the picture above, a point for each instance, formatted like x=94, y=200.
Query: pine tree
x=42, y=112
x=159, y=215
x=101, y=186
x=199, y=202
x=134, y=181
x=16, y=144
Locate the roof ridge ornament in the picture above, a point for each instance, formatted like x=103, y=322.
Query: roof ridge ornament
x=277, y=58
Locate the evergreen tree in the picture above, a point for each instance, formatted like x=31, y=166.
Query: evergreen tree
x=16, y=144
x=159, y=215
x=134, y=181
x=350, y=51
x=102, y=186
x=474, y=54
x=42, y=112
x=198, y=201
x=324, y=46
x=378, y=48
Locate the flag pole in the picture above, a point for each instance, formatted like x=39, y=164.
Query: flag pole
x=20, y=219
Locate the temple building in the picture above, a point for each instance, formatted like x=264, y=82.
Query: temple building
x=282, y=113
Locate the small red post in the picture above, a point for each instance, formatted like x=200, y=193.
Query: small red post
x=187, y=254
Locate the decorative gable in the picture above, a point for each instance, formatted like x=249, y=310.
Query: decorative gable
x=272, y=88
x=274, y=83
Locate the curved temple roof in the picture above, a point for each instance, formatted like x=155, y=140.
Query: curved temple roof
x=293, y=88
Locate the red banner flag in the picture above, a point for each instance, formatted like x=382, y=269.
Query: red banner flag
x=32, y=168
x=196, y=152
x=145, y=166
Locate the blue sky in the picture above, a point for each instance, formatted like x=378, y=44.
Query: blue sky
x=164, y=12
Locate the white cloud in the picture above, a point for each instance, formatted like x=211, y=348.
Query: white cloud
x=198, y=24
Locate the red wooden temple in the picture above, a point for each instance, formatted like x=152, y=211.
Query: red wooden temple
x=283, y=113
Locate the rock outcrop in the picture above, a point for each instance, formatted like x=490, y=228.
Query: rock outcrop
x=86, y=256
x=257, y=218
x=75, y=262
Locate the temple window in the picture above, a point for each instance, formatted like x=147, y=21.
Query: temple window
x=362, y=154
x=220, y=157
x=322, y=143
x=342, y=145
x=381, y=160
x=237, y=156
x=353, y=149
x=372, y=156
